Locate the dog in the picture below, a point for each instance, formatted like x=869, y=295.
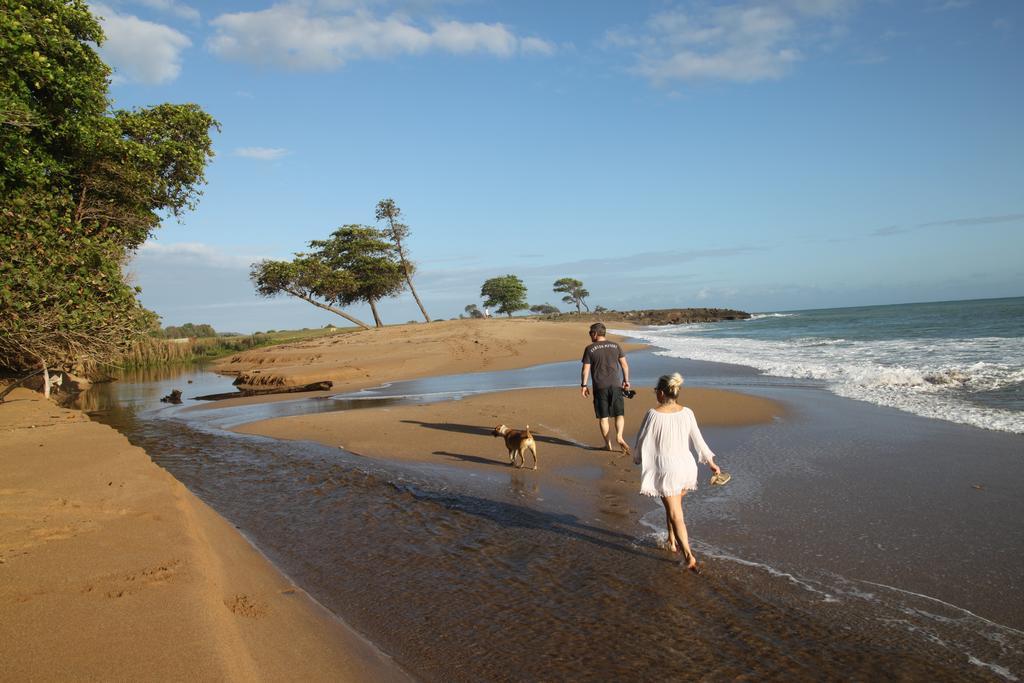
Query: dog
x=518, y=441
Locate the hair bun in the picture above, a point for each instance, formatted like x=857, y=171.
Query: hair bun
x=675, y=380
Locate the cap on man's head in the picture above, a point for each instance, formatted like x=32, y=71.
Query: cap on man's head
x=598, y=329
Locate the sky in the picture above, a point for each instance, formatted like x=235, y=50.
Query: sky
x=764, y=155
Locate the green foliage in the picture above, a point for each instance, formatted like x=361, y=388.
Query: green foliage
x=367, y=257
x=473, y=311
x=507, y=294
x=81, y=186
x=188, y=330
x=575, y=294
x=544, y=309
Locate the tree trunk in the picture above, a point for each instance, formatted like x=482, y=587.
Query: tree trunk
x=332, y=309
x=376, y=315
x=405, y=267
x=579, y=311
x=416, y=296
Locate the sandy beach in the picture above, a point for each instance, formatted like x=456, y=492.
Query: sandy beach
x=112, y=570
x=405, y=520
x=358, y=359
x=460, y=432
x=111, y=561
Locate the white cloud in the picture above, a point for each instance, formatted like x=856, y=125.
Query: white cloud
x=181, y=253
x=298, y=36
x=178, y=9
x=140, y=51
x=745, y=42
x=261, y=153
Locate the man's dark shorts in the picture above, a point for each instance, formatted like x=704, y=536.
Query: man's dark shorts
x=608, y=402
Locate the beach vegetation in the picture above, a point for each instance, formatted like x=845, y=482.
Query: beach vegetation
x=82, y=186
x=506, y=294
x=397, y=232
x=369, y=258
x=305, y=278
x=575, y=293
x=473, y=312
x=544, y=309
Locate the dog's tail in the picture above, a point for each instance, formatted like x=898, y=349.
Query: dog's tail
x=528, y=430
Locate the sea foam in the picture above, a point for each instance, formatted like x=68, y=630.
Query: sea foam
x=946, y=379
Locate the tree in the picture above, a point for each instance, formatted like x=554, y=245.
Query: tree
x=305, y=278
x=575, y=294
x=81, y=187
x=365, y=254
x=397, y=231
x=473, y=311
x=507, y=294
x=544, y=309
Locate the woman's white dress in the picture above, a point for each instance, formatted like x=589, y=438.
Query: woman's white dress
x=663, y=446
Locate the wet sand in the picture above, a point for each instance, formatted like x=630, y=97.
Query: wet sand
x=460, y=433
x=110, y=569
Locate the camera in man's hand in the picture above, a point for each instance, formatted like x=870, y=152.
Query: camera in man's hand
x=628, y=393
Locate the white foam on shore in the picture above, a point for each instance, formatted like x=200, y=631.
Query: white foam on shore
x=934, y=378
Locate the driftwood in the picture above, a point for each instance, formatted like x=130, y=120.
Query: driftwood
x=242, y=393
x=173, y=397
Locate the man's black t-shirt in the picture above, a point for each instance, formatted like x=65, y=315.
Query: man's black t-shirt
x=603, y=357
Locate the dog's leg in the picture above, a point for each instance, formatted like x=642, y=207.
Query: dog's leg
x=533, y=449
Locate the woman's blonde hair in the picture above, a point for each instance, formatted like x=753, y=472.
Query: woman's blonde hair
x=670, y=385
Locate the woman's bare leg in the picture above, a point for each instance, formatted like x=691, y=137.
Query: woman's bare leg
x=675, y=512
x=673, y=542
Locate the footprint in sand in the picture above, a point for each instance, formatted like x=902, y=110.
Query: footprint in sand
x=244, y=606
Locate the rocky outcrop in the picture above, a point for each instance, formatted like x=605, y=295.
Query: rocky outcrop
x=660, y=316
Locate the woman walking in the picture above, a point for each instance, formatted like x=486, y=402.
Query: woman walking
x=669, y=471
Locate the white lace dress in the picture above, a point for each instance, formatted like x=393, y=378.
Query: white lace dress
x=663, y=446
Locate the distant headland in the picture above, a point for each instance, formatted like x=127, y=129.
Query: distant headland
x=658, y=316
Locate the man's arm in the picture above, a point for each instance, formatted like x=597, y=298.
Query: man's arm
x=584, y=377
x=625, y=372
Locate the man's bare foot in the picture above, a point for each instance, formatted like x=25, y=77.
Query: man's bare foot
x=625, y=448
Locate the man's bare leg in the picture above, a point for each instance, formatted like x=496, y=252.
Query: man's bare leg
x=605, y=425
x=620, y=426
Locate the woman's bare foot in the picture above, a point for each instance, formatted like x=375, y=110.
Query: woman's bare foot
x=691, y=563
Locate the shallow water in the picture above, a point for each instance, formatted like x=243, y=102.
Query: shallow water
x=828, y=556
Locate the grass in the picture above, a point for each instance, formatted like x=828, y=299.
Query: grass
x=153, y=352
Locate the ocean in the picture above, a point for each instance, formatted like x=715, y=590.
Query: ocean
x=960, y=361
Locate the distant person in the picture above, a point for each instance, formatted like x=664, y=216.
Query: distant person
x=662, y=447
x=604, y=360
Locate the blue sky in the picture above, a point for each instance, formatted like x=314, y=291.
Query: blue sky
x=763, y=155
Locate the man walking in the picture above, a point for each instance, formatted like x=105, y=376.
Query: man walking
x=603, y=359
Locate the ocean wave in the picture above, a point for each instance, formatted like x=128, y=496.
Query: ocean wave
x=945, y=379
x=762, y=316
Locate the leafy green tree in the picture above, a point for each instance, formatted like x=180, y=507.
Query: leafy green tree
x=397, y=232
x=372, y=261
x=544, y=309
x=575, y=294
x=507, y=294
x=80, y=187
x=305, y=278
x=473, y=312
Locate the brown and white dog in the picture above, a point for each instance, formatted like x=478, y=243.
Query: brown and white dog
x=518, y=441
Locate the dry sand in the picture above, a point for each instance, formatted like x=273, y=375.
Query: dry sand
x=111, y=570
x=369, y=357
